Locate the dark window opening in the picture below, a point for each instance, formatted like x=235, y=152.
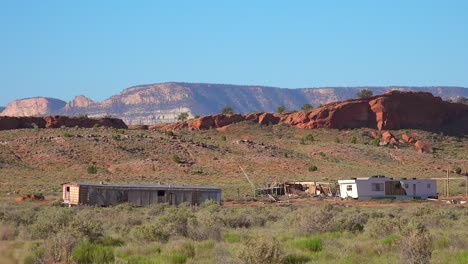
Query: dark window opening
x=161, y=193
x=67, y=188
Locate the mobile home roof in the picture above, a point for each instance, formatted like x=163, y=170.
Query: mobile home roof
x=145, y=186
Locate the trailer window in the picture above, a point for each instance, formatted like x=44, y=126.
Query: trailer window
x=161, y=193
x=349, y=187
x=377, y=187
x=406, y=186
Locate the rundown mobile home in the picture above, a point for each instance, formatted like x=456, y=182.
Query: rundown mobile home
x=383, y=187
x=75, y=193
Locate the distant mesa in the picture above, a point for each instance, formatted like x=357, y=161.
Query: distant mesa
x=79, y=101
x=162, y=103
x=36, y=106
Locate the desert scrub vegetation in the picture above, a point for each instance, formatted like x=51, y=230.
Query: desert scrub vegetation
x=419, y=232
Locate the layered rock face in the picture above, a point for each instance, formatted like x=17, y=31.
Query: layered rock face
x=7, y=122
x=38, y=106
x=390, y=111
x=159, y=103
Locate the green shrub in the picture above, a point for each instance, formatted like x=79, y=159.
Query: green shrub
x=390, y=240
x=416, y=247
x=231, y=237
x=227, y=110
x=170, y=133
x=311, y=244
x=121, y=131
x=309, y=137
x=262, y=250
x=67, y=135
x=83, y=253
x=150, y=232
x=457, y=170
x=306, y=107
x=311, y=220
x=375, y=142
x=92, y=169
x=176, y=258
x=312, y=168
x=176, y=158
x=381, y=227
x=49, y=221
x=223, y=138
x=337, y=140
x=86, y=252
x=352, y=221
x=296, y=259
x=353, y=140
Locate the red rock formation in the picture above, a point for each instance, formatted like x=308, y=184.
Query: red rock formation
x=387, y=136
x=7, y=122
x=138, y=127
x=423, y=147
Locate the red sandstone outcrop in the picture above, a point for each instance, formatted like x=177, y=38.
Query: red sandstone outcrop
x=390, y=111
x=423, y=147
x=8, y=122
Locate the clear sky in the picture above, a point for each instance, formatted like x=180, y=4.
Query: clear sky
x=97, y=48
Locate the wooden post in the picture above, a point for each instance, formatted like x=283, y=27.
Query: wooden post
x=447, y=183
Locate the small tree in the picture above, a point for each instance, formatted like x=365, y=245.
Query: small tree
x=280, y=109
x=92, y=169
x=312, y=168
x=227, y=110
x=462, y=100
x=306, y=107
x=183, y=116
x=457, y=170
x=364, y=93
x=176, y=158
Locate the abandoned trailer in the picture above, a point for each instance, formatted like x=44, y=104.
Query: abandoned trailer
x=77, y=193
x=376, y=187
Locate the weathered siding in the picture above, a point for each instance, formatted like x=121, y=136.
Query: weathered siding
x=112, y=195
x=74, y=194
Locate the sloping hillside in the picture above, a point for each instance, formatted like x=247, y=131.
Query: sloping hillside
x=38, y=160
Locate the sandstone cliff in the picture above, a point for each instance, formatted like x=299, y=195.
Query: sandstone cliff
x=158, y=103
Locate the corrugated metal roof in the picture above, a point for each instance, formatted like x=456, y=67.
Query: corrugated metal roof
x=145, y=186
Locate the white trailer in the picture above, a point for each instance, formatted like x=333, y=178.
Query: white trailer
x=382, y=187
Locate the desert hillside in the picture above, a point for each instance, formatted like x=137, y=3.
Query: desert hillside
x=38, y=160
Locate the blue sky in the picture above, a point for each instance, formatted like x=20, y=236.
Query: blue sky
x=97, y=48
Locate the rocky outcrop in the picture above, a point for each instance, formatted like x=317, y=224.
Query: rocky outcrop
x=423, y=147
x=37, y=106
x=7, y=122
x=390, y=111
x=79, y=102
x=163, y=102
